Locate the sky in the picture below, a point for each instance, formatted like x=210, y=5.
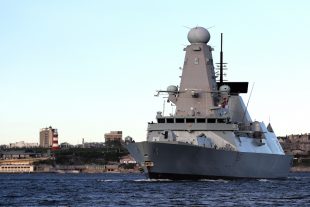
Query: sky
x=89, y=67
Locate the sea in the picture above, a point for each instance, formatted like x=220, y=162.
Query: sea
x=68, y=189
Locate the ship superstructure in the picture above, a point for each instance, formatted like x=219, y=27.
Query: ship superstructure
x=211, y=134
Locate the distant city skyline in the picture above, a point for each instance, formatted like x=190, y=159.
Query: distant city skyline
x=90, y=67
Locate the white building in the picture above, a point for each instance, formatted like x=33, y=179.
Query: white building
x=16, y=168
x=23, y=144
x=127, y=159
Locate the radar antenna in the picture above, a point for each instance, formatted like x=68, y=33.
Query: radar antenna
x=221, y=66
x=221, y=61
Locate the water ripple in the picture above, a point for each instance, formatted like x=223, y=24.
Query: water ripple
x=136, y=190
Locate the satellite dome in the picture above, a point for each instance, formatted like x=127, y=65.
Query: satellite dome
x=224, y=89
x=172, y=90
x=198, y=35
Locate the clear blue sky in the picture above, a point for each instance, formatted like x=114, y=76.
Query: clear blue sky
x=88, y=67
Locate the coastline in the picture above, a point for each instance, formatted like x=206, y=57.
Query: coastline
x=301, y=169
x=103, y=169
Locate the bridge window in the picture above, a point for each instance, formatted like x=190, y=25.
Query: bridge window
x=190, y=120
x=179, y=120
x=170, y=120
x=211, y=120
x=201, y=120
x=161, y=120
x=221, y=121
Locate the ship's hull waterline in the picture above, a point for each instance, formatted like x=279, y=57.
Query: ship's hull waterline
x=176, y=161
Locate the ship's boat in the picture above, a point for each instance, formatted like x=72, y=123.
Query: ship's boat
x=211, y=134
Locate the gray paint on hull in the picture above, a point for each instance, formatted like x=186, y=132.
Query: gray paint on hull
x=185, y=159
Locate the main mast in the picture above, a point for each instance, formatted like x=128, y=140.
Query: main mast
x=221, y=61
x=197, y=93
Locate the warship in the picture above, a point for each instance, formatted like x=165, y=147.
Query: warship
x=211, y=134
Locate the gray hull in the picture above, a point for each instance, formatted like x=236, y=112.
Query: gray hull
x=182, y=161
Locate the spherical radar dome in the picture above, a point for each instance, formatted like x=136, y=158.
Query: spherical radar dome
x=198, y=35
x=172, y=90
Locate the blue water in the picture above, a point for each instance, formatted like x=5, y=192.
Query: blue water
x=135, y=190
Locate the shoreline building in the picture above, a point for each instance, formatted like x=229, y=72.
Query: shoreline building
x=23, y=144
x=16, y=168
x=49, y=138
x=113, y=138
